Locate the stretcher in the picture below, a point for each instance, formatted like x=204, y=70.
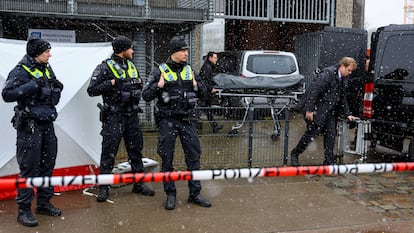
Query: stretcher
x=279, y=94
x=277, y=104
x=357, y=143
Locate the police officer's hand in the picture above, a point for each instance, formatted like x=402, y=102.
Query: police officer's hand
x=161, y=82
x=117, y=83
x=56, y=84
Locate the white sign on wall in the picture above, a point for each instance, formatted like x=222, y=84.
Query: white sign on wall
x=63, y=36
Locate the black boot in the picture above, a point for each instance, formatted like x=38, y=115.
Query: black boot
x=199, y=200
x=143, y=189
x=48, y=209
x=170, y=202
x=25, y=217
x=103, y=194
x=294, y=159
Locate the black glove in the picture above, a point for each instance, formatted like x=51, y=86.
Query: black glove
x=54, y=83
x=41, y=82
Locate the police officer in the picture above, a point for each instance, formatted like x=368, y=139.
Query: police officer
x=118, y=82
x=33, y=85
x=176, y=88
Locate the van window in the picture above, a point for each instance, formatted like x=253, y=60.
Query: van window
x=271, y=64
x=398, y=50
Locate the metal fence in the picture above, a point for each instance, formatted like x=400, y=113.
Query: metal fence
x=306, y=11
x=189, y=10
x=249, y=143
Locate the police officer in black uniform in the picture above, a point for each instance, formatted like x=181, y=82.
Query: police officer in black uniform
x=33, y=85
x=177, y=88
x=118, y=82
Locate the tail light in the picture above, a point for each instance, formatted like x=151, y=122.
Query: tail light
x=368, y=96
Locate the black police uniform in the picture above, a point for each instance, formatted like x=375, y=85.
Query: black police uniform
x=176, y=116
x=119, y=113
x=37, y=92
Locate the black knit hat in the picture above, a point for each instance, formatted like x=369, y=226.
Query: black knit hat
x=177, y=44
x=121, y=43
x=36, y=46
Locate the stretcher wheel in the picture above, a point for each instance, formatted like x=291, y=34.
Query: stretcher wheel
x=275, y=136
x=233, y=131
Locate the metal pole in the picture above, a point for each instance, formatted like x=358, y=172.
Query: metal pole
x=250, y=136
x=286, y=140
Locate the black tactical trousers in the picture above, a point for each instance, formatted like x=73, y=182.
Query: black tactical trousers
x=187, y=131
x=328, y=130
x=114, y=128
x=36, y=156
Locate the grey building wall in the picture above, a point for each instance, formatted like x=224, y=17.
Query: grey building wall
x=349, y=13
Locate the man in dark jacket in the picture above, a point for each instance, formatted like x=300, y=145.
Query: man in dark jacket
x=33, y=85
x=322, y=104
x=177, y=88
x=207, y=72
x=118, y=82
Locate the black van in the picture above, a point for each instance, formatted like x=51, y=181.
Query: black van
x=389, y=93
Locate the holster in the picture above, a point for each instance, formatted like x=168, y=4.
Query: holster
x=103, y=114
x=20, y=117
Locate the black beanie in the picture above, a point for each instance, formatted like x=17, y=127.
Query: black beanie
x=177, y=44
x=36, y=46
x=121, y=43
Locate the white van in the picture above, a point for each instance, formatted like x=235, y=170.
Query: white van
x=277, y=65
x=252, y=63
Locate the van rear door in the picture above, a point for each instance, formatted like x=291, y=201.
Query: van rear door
x=393, y=102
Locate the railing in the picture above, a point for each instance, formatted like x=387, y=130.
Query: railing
x=253, y=144
x=306, y=11
x=189, y=10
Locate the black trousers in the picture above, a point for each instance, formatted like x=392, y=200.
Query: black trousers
x=187, y=131
x=328, y=130
x=114, y=128
x=36, y=156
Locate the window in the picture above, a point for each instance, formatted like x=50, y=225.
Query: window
x=271, y=64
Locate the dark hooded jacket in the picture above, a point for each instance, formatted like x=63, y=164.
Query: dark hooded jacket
x=177, y=99
x=122, y=97
x=38, y=96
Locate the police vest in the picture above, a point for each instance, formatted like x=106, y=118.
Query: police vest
x=119, y=72
x=170, y=76
x=36, y=73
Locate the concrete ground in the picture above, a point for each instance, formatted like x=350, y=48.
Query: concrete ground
x=365, y=203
